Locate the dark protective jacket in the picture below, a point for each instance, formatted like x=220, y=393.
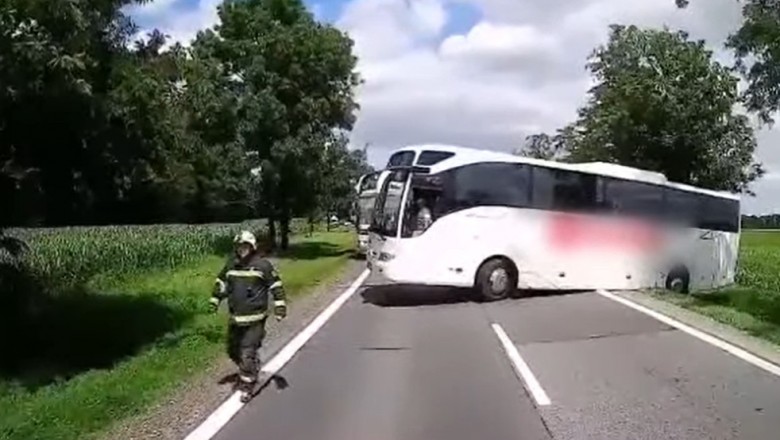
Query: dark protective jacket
x=247, y=285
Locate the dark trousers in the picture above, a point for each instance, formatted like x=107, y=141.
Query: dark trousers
x=243, y=343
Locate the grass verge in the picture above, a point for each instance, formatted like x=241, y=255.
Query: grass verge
x=77, y=407
x=738, y=307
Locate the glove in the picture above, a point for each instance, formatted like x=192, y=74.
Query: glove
x=280, y=311
x=219, y=288
x=213, y=304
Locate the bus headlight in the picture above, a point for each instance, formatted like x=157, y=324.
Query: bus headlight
x=384, y=256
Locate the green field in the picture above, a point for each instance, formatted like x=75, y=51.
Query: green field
x=753, y=305
x=110, y=320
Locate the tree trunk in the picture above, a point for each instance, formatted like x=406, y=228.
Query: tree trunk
x=271, y=232
x=311, y=226
x=284, y=225
x=327, y=221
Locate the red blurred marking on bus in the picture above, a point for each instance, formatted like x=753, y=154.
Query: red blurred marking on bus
x=578, y=232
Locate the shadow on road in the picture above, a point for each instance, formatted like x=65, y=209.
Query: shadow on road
x=396, y=295
x=358, y=256
x=279, y=382
x=311, y=250
x=400, y=295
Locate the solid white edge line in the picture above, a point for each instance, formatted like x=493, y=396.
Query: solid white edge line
x=706, y=337
x=222, y=415
x=521, y=367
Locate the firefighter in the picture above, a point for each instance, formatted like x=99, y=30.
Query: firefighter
x=247, y=281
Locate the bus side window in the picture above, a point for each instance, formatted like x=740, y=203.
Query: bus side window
x=634, y=199
x=683, y=208
x=490, y=184
x=428, y=158
x=564, y=190
x=719, y=214
x=543, y=186
x=424, y=194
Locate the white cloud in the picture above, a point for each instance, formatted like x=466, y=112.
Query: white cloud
x=501, y=47
x=388, y=28
x=153, y=8
x=519, y=70
x=180, y=23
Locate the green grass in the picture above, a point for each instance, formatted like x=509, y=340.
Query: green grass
x=753, y=305
x=160, y=322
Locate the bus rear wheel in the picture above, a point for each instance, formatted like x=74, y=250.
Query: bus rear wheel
x=496, y=279
x=678, y=280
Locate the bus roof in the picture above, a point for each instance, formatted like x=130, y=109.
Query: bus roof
x=466, y=156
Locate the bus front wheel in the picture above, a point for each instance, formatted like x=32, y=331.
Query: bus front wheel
x=496, y=279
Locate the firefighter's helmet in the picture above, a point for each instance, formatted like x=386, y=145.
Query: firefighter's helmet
x=246, y=237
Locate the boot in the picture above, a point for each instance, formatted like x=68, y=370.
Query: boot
x=246, y=393
x=247, y=390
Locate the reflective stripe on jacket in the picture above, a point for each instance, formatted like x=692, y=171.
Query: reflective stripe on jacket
x=248, y=283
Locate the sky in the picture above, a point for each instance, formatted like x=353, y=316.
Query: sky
x=484, y=73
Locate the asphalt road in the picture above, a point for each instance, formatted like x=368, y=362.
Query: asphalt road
x=424, y=364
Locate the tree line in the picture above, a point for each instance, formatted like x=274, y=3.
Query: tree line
x=250, y=119
x=661, y=102
x=770, y=221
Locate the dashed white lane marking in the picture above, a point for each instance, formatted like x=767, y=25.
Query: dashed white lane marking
x=706, y=337
x=521, y=367
x=222, y=415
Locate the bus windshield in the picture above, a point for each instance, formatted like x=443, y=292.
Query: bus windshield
x=388, y=204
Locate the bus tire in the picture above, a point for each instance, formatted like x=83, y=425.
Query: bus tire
x=496, y=279
x=678, y=280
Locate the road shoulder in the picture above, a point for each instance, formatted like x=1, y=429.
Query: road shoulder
x=757, y=346
x=181, y=412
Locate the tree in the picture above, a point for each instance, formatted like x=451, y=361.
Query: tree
x=662, y=103
x=756, y=45
x=222, y=169
x=341, y=170
x=56, y=65
x=543, y=146
x=296, y=81
x=96, y=130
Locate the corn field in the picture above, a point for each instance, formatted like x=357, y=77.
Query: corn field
x=759, y=261
x=759, y=276
x=66, y=257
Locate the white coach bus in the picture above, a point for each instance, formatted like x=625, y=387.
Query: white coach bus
x=502, y=222
x=369, y=185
